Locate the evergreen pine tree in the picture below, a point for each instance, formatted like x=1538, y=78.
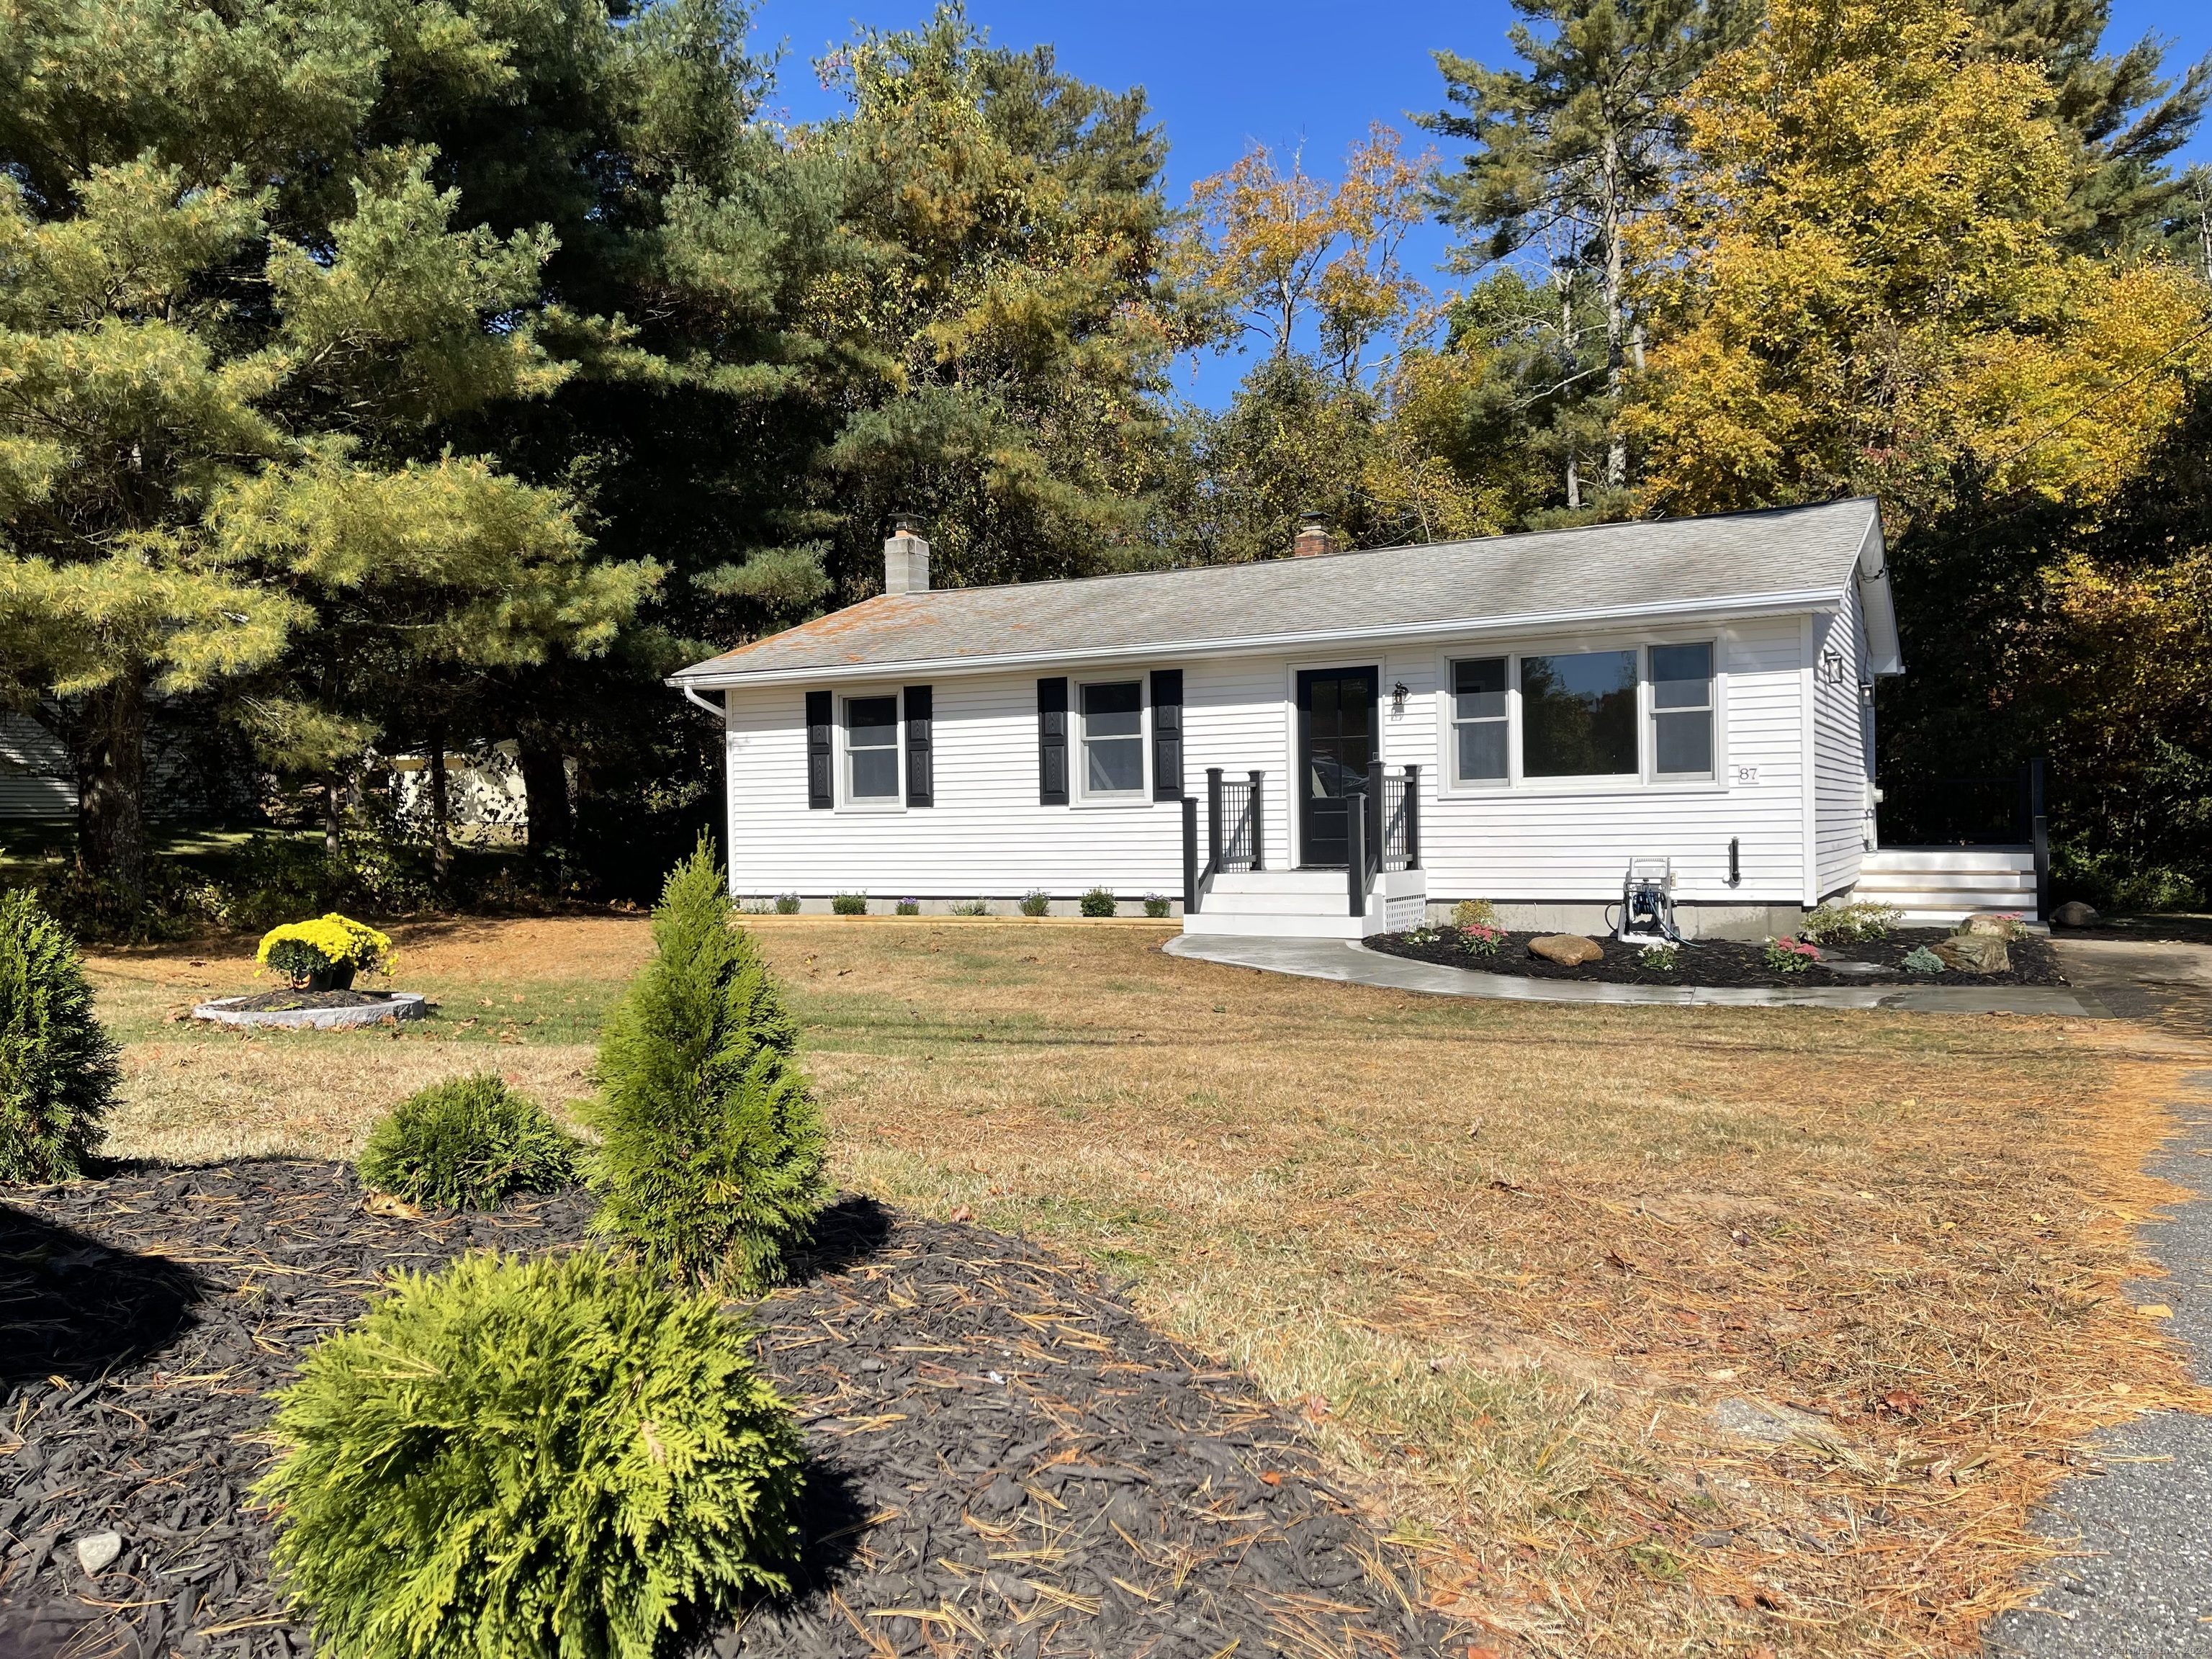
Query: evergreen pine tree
x=56, y=1066
x=713, y=1150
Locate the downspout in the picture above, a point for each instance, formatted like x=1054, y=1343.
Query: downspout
x=1809, y=770
x=719, y=711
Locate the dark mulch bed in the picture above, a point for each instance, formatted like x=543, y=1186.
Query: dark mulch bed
x=1002, y=1454
x=273, y=1002
x=1731, y=963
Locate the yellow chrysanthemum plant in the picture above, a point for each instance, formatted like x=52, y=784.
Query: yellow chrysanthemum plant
x=325, y=954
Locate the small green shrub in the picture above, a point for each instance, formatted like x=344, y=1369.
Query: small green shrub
x=786, y=904
x=850, y=904
x=758, y=906
x=1921, y=960
x=57, y=1070
x=1660, y=958
x=1475, y=912
x=1099, y=901
x=907, y=908
x=1787, y=955
x=1036, y=903
x=534, y=1459
x=972, y=908
x=713, y=1150
x=1156, y=905
x=466, y=1144
x=1838, y=924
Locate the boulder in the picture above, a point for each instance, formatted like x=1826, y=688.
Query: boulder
x=1568, y=950
x=1974, y=953
x=2075, y=914
x=1990, y=927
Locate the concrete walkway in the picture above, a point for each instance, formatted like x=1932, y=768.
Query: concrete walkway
x=2137, y=1582
x=1355, y=964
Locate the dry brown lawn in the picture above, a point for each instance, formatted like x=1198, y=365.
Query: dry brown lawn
x=1687, y=1331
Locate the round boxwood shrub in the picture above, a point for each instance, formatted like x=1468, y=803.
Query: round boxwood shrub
x=529, y=1458
x=466, y=1144
x=712, y=1150
x=58, y=1071
x=1099, y=901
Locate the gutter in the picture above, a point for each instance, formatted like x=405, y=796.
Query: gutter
x=1821, y=601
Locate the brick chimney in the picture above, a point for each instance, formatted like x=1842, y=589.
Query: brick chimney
x=1314, y=539
x=906, y=561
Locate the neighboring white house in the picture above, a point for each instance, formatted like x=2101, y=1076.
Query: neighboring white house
x=1515, y=719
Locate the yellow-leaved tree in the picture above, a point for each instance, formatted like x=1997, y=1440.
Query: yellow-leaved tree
x=1867, y=290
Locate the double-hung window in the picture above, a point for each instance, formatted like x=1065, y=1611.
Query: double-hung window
x=1645, y=713
x=1113, y=736
x=1682, y=711
x=1480, y=747
x=871, y=752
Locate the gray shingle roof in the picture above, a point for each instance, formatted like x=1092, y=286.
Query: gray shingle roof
x=1780, y=558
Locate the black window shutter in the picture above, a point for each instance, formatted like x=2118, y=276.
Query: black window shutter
x=921, y=786
x=1167, y=734
x=819, y=792
x=1052, y=743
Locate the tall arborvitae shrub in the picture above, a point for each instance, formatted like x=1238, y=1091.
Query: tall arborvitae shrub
x=57, y=1073
x=712, y=1160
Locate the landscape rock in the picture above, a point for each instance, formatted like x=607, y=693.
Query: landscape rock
x=96, y=1551
x=1990, y=927
x=1974, y=953
x=2075, y=914
x=1568, y=950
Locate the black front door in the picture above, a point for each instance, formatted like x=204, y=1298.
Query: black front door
x=1336, y=741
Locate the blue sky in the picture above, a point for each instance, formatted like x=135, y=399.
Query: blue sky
x=1221, y=77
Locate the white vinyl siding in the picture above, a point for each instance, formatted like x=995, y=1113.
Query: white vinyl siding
x=988, y=836
x=1842, y=745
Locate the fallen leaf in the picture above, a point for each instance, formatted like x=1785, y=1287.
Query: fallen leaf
x=1271, y=1479
x=391, y=1205
x=1500, y=1184
x=1484, y=1653
x=2155, y=1310
x=1902, y=1401
x=1616, y=1259
x=962, y=1212
x=1316, y=1406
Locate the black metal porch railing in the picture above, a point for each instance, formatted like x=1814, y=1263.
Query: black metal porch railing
x=1383, y=830
x=1235, y=833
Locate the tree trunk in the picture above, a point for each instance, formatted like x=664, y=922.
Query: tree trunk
x=441, y=832
x=545, y=786
x=1574, y=484
x=333, y=812
x=1616, y=453
x=111, y=782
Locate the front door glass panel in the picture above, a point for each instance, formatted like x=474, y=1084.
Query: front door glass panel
x=1336, y=744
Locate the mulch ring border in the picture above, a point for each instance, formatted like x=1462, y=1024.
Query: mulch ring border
x=1731, y=963
x=1003, y=1458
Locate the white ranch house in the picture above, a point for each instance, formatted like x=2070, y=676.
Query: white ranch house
x=1328, y=745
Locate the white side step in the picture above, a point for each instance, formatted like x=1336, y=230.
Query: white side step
x=1307, y=904
x=1934, y=885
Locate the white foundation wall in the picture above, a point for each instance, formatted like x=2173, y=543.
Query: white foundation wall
x=986, y=836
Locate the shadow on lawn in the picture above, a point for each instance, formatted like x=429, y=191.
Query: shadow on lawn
x=79, y=1308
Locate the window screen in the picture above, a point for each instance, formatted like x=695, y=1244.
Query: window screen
x=1478, y=747
x=1578, y=715
x=1113, y=738
x=871, y=748
x=1682, y=710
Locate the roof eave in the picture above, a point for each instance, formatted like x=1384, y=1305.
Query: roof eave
x=705, y=676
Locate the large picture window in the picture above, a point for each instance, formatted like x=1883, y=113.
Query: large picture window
x=1480, y=751
x=1112, y=714
x=1578, y=715
x=1682, y=711
x=871, y=758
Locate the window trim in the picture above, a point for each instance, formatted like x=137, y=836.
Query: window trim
x=1079, y=794
x=842, y=752
x=1645, y=779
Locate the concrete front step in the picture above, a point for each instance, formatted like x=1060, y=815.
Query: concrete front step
x=1279, y=881
x=1959, y=859
x=1947, y=881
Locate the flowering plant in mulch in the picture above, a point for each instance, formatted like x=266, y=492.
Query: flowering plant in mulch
x=1836, y=924
x=1422, y=935
x=1481, y=938
x=302, y=951
x=1790, y=955
x=1660, y=958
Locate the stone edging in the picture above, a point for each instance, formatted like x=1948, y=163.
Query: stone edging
x=1352, y=964
x=402, y=1005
